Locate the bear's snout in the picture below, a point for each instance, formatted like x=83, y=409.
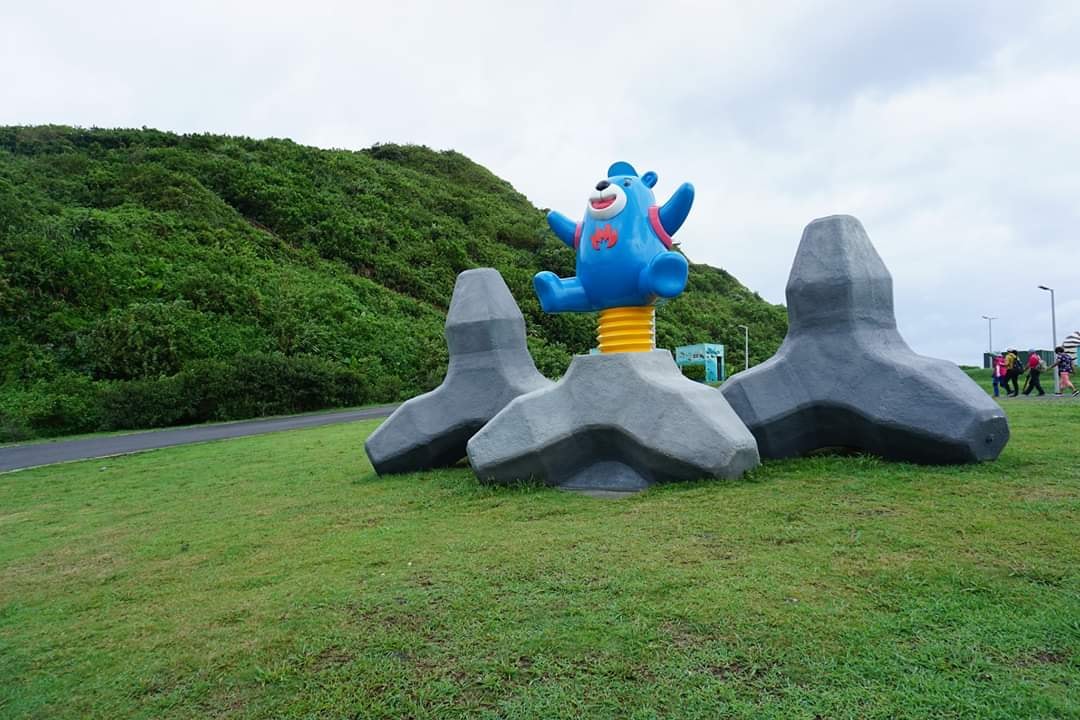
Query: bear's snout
x=602, y=184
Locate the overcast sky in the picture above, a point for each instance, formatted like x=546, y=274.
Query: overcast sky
x=951, y=129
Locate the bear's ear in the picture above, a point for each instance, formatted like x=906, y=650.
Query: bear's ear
x=649, y=179
x=621, y=168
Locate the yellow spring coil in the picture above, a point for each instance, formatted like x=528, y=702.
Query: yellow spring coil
x=627, y=329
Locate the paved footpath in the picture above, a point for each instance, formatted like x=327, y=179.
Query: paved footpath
x=18, y=457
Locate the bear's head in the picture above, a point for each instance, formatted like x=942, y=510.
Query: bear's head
x=621, y=188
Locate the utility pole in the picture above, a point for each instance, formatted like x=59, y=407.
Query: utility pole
x=1053, y=331
x=990, y=333
x=746, y=345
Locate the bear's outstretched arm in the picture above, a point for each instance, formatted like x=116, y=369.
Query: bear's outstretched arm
x=675, y=210
x=563, y=227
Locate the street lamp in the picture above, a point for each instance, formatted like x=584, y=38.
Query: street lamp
x=746, y=345
x=990, y=331
x=1053, y=330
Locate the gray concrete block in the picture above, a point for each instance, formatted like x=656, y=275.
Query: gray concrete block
x=615, y=422
x=845, y=378
x=489, y=366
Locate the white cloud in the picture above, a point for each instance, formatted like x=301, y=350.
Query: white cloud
x=949, y=131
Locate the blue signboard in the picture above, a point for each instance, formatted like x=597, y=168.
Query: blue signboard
x=707, y=354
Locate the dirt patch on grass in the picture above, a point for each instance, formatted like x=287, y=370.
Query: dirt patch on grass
x=738, y=670
x=533, y=515
x=389, y=620
x=330, y=658
x=232, y=704
x=1040, y=575
x=1042, y=657
x=635, y=673
x=12, y=518
x=1046, y=493
x=875, y=512
x=155, y=687
x=682, y=636
x=395, y=621
x=64, y=564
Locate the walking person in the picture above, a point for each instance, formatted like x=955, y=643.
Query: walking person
x=1034, y=367
x=1065, y=369
x=998, y=372
x=1012, y=372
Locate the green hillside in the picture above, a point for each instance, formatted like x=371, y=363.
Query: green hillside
x=149, y=279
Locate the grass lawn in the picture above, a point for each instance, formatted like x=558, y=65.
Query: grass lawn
x=276, y=576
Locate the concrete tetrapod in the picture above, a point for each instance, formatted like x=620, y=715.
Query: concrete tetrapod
x=615, y=422
x=845, y=378
x=489, y=366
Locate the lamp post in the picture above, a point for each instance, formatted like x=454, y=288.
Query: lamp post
x=1053, y=330
x=990, y=332
x=746, y=345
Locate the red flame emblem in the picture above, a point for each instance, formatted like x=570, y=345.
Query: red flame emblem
x=604, y=234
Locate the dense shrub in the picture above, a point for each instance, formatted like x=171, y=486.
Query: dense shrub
x=149, y=279
x=694, y=372
x=157, y=402
x=551, y=359
x=68, y=404
x=241, y=387
x=271, y=384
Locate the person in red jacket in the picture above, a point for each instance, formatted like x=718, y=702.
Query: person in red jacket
x=1034, y=366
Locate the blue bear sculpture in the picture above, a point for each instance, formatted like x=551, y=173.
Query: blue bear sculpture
x=623, y=246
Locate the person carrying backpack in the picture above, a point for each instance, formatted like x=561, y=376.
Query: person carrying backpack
x=1035, y=367
x=1012, y=372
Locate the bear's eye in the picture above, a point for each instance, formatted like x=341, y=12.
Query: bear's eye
x=626, y=182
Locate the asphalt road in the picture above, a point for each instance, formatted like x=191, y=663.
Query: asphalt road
x=18, y=457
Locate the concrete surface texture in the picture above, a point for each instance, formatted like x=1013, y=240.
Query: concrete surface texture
x=845, y=378
x=615, y=422
x=489, y=366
